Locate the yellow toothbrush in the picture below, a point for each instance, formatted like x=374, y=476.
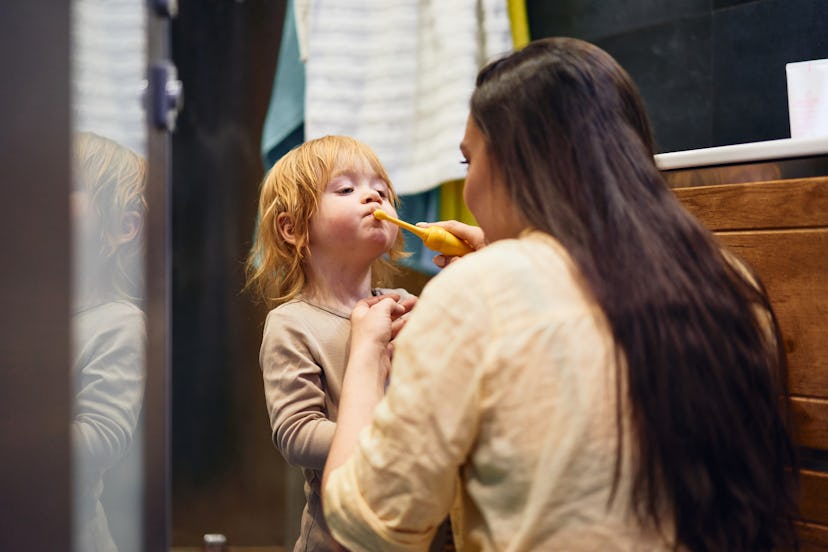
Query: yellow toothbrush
x=434, y=237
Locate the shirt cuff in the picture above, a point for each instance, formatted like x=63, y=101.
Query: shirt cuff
x=354, y=524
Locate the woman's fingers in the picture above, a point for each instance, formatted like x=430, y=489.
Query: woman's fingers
x=472, y=235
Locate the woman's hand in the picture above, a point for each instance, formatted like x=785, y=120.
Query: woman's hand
x=472, y=235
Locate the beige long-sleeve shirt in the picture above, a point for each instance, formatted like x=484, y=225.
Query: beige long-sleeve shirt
x=505, y=375
x=303, y=357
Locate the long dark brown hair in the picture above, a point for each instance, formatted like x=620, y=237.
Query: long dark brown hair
x=704, y=374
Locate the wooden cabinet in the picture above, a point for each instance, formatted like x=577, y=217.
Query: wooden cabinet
x=780, y=227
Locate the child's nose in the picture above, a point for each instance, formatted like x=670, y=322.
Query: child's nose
x=372, y=195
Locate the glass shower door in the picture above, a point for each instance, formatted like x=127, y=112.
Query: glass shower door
x=108, y=209
x=123, y=103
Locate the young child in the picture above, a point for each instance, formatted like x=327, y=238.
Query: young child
x=108, y=335
x=317, y=251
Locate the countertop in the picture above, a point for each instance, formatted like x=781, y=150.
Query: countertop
x=743, y=153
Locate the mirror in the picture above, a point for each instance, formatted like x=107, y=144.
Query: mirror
x=108, y=334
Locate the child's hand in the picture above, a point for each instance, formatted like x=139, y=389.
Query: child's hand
x=376, y=321
x=371, y=320
x=400, y=320
x=372, y=330
x=472, y=235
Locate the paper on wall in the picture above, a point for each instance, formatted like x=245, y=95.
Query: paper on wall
x=808, y=98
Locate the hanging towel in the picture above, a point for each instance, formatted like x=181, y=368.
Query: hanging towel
x=520, y=23
x=415, y=208
x=398, y=76
x=108, y=58
x=452, y=205
x=283, y=127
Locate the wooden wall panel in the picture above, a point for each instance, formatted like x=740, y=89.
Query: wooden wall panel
x=759, y=205
x=781, y=229
x=810, y=421
x=793, y=265
x=812, y=537
x=813, y=504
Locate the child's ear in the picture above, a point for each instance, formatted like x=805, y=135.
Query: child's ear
x=284, y=224
x=130, y=226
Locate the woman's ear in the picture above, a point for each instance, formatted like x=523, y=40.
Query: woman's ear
x=284, y=224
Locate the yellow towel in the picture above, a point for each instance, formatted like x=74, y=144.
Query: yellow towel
x=452, y=206
x=519, y=22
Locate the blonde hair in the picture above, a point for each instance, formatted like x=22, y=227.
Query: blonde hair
x=115, y=179
x=274, y=266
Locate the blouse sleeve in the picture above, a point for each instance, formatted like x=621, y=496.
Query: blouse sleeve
x=294, y=394
x=399, y=485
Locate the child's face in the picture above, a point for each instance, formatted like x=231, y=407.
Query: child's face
x=344, y=225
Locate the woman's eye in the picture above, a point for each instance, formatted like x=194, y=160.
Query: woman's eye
x=464, y=161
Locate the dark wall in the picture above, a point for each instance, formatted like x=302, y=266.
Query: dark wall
x=712, y=72
x=35, y=281
x=227, y=476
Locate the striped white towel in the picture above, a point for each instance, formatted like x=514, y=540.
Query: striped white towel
x=108, y=70
x=397, y=75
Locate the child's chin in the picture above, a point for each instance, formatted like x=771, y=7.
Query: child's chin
x=382, y=244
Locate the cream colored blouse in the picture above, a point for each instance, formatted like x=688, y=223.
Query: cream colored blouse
x=505, y=377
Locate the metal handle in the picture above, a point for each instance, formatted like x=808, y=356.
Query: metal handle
x=215, y=542
x=166, y=8
x=166, y=94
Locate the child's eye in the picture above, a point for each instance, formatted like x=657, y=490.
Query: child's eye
x=383, y=193
x=345, y=190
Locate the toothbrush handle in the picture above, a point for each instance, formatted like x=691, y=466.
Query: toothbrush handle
x=435, y=237
x=441, y=240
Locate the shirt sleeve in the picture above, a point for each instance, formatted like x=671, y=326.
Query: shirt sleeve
x=294, y=393
x=110, y=390
x=400, y=483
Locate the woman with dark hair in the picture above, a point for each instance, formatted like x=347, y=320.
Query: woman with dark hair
x=602, y=375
